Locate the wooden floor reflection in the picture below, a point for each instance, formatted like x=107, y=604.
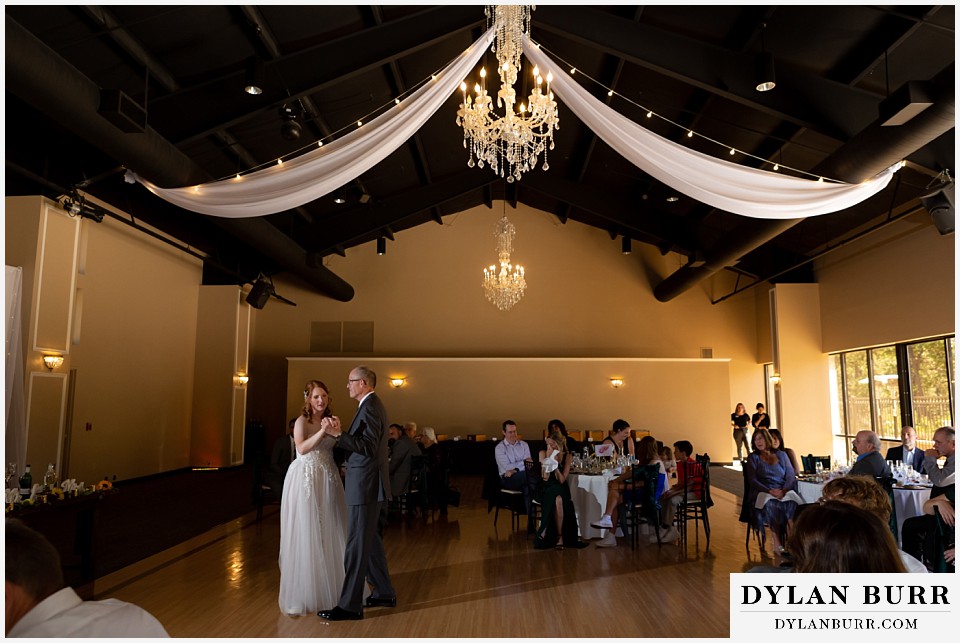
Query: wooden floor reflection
x=456, y=576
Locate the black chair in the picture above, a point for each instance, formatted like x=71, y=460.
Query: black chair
x=749, y=516
x=416, y=496
x=944, y=538
x=888, y=484
x=809, y=462
x=643, y=485
x=264, y=494
x=534, y=483
x=696, y=475
x=500, y=498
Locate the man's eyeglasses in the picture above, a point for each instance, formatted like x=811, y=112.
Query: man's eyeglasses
x=360, y=380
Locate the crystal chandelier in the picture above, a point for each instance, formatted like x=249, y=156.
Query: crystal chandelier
x=505, y=287
x=510, y=144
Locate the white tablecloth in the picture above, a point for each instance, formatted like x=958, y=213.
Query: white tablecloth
x=907, y=502
x=589, y=495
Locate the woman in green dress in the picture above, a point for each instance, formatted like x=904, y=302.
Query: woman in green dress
x=558, y=519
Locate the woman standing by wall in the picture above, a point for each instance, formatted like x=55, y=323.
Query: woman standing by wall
x=739, y=420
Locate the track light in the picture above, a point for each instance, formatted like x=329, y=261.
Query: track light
x=253, y=77
x=381, y=246
x=766, y=74
x=625, y=245
x=290, y=129
x=260, y=293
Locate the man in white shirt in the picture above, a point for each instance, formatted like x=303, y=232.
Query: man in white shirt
x=511, y=453
x=38, y=605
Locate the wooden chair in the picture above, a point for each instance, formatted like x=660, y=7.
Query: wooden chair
x=696, y=475
x=748, y=515
x=416, y=495
x=809, y=462
x=534, y=482
x=643, y=484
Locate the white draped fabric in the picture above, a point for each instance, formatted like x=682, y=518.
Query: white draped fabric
x=16, y=435
x=722, y=184
x=323, y=170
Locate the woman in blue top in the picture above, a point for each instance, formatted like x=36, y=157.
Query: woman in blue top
x=772, y=487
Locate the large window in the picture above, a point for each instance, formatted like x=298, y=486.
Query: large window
x=883, y=389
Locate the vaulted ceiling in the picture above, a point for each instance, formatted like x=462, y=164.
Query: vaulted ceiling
x=184, y=66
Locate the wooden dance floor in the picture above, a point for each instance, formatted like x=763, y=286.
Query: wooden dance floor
x=455, y=576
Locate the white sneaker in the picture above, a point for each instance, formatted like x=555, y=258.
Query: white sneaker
x=609, y=540
x=669, y=535
x=603, y=523
x=619, y=533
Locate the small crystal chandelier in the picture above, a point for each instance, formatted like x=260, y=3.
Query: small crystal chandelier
x=510, y=144
x=505, y=287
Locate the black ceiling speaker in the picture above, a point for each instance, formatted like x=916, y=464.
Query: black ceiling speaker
x=940, y=206
x=290, y=129
x=260, y=293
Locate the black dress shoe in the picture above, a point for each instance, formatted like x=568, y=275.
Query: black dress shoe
x=339, y=614
x=377, y=601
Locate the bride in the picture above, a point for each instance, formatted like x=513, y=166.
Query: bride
x=313, y=526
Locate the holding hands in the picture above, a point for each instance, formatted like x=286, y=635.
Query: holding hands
x=331, y=426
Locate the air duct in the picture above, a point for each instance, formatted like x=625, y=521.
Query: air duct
x=866, y=154
x=39, y=76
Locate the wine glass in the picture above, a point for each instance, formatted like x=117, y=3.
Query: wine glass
x=11, y=473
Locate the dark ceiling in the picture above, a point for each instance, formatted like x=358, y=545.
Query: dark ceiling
x=692, y=64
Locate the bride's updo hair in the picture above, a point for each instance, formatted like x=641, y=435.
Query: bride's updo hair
x=308, y=390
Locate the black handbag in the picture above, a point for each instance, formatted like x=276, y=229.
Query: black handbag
x=453, y=496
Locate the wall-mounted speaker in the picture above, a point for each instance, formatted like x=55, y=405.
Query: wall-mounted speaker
x=260, y=293
x=940, y=206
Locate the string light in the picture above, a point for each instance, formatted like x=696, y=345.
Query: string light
x=573, y=70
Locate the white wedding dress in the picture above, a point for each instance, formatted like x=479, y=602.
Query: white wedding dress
x=313, y=533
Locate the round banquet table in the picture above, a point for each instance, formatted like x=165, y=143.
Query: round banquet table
x=589, y=495
x=907, y=501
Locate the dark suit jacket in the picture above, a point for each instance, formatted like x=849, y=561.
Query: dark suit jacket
x=896, y=453
x=873, y=465
x=368, y=459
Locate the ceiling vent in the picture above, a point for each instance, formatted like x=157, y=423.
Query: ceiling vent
x=122, y=111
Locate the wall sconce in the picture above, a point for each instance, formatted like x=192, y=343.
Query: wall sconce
x=775, y=378
x=242, y=379
x=616, y=382
x=54, y=361
x=397, y=382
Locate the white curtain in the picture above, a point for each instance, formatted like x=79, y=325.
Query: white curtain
x=722, y=184
x=717, y=182
x=323, y=170
x=16, y=436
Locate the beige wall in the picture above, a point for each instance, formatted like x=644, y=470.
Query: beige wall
x=584, y=299
x=895, y=285
x=461, y=396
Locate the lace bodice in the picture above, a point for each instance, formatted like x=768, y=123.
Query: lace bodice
x=318, y=461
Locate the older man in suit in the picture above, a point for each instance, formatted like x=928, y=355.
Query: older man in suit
x=869, y=461
x=367, y=488
x=908, y=452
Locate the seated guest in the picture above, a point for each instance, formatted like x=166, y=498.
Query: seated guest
x=671, y=499
x=573, y=446
x=436, y=464
x=402, y=450
x=669, y=460
x=907, y=452
x=772, y=483
x=868, y=494
x=558, y=518
x=282, y=455
x=620, y=438
x=618, y=488
x=920, y=532
x=40, y=606
x=779, y=446
x=838, y=537
x=869, y=461
x=943, y=447
x=511, y=453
